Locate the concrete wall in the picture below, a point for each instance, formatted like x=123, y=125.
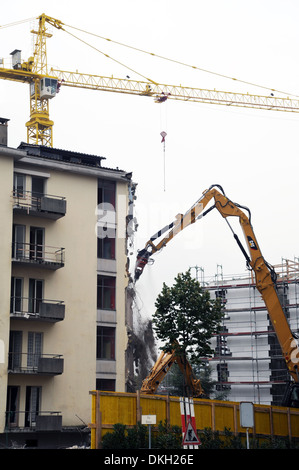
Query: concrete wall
x=6, y=181
x=75, y=284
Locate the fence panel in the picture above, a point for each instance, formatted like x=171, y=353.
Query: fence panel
x=109, y=408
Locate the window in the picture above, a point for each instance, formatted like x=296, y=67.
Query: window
x=35, y=295
x=108, y=385
x=222, y=348
x=106, y=192
x=106, y=248
x=37, y=190
x=19, y=186
x=223, y=374
x=105, y=342
x=32, y=405
x=106, y=215
x=221, y=294
x=15, y=350
x=106, y=293
x=18, y=242
x=48, y=86
x=16, y=295
x=12, y=405
x=36, y=243
x=51, y=82
x=34, y=348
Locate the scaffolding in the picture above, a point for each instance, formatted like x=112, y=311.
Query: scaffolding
x=248, y=362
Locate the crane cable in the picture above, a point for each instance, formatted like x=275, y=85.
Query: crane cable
x=109, y=57
x=184, y=64
x=152, y=54
x=86, y=43
x=16, y=23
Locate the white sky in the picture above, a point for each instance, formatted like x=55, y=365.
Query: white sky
x=253, y=154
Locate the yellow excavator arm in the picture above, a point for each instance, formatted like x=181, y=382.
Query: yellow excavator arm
x=162, y=366
x=265, y=276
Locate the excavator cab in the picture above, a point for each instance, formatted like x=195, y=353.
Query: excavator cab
x=291, y=396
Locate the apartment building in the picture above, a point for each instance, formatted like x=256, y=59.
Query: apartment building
x=248, y=364
x=63, y=280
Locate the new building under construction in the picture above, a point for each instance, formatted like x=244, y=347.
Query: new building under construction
x=248, y=364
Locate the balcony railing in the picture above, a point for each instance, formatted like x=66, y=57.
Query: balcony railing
x=30, y=363
x=41, y=205
x=34, y=420
x=37, y=309
x=49, y=257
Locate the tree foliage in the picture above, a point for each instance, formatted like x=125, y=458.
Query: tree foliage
x=164, y=436
x=186, y=318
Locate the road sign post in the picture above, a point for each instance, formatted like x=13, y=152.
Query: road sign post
x=247, y=417
x=190, y=438
x=149, y=420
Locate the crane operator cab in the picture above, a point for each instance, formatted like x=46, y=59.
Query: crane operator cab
x=48, y=88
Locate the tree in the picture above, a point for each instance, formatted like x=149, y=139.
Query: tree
x=186, y=318
x=174, y=382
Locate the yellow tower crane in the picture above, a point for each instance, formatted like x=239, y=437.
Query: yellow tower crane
x=45, y=83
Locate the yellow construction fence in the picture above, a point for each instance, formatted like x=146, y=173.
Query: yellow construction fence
x=109, y=408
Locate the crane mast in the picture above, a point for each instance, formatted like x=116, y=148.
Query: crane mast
x=35, y=72
x=39, y=127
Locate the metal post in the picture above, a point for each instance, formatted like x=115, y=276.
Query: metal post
x=247, y=437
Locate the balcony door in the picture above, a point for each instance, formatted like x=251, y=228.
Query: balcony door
x=32, y=405
x=35, y=295
x=34, y=349
x=37, y=190
x=19, y=185
x=16, y=295
x=36, y=243
x=12, y=406
x=18, y=241
x=15, y=350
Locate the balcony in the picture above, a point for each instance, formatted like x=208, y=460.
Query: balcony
x=37, y=309
x=34, y=421
x=37, y=364
x=40, y=205
x=41, y=256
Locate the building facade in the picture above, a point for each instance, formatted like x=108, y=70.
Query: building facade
x=248, y=364
x=63, y=312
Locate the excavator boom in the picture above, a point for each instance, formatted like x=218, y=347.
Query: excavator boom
x=265, y=276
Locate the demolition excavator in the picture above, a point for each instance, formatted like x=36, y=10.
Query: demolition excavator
x=265, y=278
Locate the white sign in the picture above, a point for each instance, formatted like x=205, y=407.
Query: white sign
x=246, y=414
x=148, y=419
